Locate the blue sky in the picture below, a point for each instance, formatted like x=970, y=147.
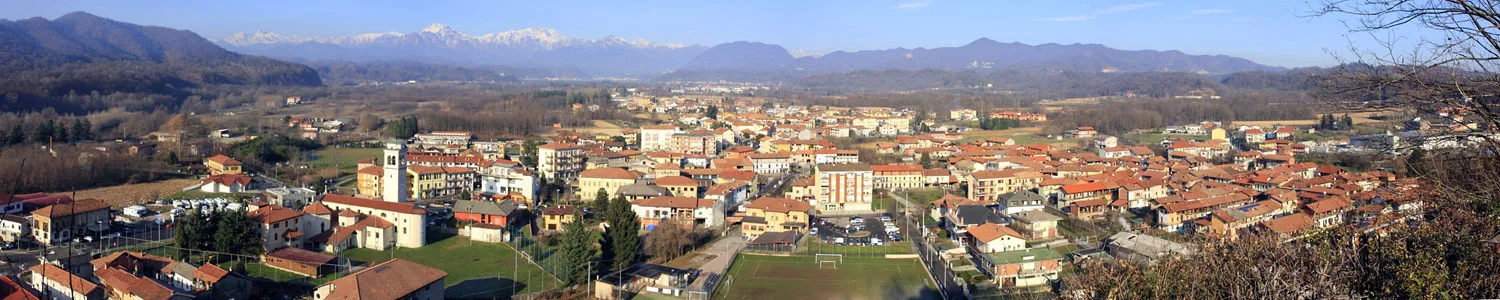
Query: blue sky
x=1269, y=32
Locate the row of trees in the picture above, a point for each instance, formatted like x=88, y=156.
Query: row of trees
x=1329, y=122
x=988, y=123
x=403, y=128
x=31, y=169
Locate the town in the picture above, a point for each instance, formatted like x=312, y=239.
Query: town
x=652, y=150
x=723, y=197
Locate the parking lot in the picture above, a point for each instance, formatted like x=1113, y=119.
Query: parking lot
x=848, y=230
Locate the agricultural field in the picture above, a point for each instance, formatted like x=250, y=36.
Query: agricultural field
x=131, y=194
x=800, y=277
x=345, y=159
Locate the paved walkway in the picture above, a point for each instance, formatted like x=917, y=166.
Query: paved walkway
x=723, y=251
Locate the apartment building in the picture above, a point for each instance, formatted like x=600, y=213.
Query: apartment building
x=898, y=177
x=561, y=161
x=61, y=222
x=656, y=138
x=987, y=186
x=844, y=187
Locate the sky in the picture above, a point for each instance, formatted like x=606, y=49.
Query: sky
x=1274, y=32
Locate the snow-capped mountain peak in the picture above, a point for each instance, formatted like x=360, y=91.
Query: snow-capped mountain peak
x=442, y=34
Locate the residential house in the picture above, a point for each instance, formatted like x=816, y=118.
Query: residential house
x=765, y=215
x=681, y=210
x=60, y=285
x=294, y=198
x=374, y=224
x=1130, y=245
x=1015, y=202
x=220, y=164
x=991, y=238
x=500, y=213
x=554, y=217
x=63, y=221
x=1035, y=224
x=226, y=183
x=394, y=279
x=1024, y=268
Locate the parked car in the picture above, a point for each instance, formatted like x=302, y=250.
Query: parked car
x=814, y=231
x=856, y=221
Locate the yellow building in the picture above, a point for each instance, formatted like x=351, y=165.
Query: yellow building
x=554, y=217
x=987, y=186
x=774, y=215
x=220, y=164
x=609, y=179
x=369, y=181
x=1218, y=134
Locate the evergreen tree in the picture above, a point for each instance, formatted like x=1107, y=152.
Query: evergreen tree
x=624, y=234
x=528, y=154
x=172, y=159
x=17, y=136
x=926, y=160
x=601, y=204
x=82, y=130
x=237, y=233
x=1348, y=122
x=1414, y=162
x=577, y=252
x=712, y=112
x=196, y=231
x=43, y=132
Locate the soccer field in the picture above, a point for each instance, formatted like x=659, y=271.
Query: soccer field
x=799, y=277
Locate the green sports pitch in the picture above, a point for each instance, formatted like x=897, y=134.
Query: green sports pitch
x=803, y=277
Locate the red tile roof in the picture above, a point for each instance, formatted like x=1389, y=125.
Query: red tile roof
x=1083, y=187
x=68, y=209
x=390, y=280
x=674, y=202
x=676, y=181
x=58, y=275
x=990, y=231
x=273, y=213
x=609, y=173
x=372, y=203
x=229, y=179
x=223, y=160
x=781, y=205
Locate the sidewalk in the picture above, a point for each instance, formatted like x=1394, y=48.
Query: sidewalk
x=723, y=251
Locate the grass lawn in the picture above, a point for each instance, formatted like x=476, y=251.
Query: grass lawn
x=799, y=277
x=1155, y=138
x=480, y=270
x=1028, y=138
x=342, y=158
x=266, y=272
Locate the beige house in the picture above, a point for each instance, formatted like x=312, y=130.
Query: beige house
x=993, y=238
x=608, y=179
x=375, y=224
x=774, y=215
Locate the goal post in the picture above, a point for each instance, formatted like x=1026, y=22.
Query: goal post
x=828, y=264
x=826, y=257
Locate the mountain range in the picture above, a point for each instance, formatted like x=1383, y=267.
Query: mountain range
x=609, y=56
x=439, y=43
x=81, y=54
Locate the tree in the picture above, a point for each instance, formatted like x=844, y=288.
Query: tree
x=624, y=234
x=1347, y=122
x=172, y=159
x=577, y=251
x=669, y=240
x=403, y=128
x=196, y=231
x=17, y=136
x=43, y=132
x=926, y=160
x=237, y=233
x=601, y=204
x=712, y=112
x=528, y=153
x=81, y=130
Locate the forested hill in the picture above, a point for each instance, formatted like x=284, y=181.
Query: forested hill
x=43, y=61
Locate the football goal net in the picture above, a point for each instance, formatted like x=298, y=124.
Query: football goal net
x=828, y=261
